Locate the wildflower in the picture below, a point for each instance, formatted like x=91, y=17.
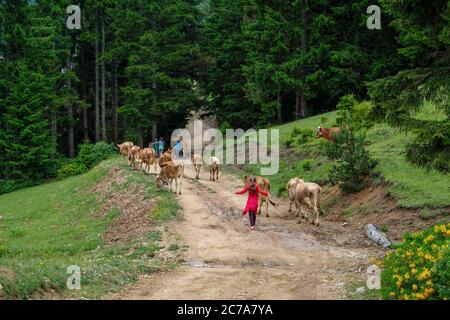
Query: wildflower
x=419, y=296
x=415, y=287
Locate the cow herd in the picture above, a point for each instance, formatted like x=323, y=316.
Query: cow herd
x=304, y=195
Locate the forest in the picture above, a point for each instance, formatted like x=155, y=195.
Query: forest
x=137, y=69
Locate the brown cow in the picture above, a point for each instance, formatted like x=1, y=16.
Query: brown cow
x=264, y=183
x=125, y=148
x=307, y=194
x=166, y=158
x=197, y=161
x=133, y=157
x=170, y=172
x=147, y=158
x=213, y=168
x=328, y=133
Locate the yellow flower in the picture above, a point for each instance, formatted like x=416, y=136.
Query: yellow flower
x=448, y=233
x=429, y=238
x=414, y=271
x=424, y=275
x=414, y=287
x=392, y=294
x=405, y=297
x=428, y=292
x=429, y=283
x=419, y=296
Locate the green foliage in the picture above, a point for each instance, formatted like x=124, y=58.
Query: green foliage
x=72, y=168
x=353, y=163
x=423, y=41
x=59, y=224
x=92, y=154
x=419, y=268
x=299, y=136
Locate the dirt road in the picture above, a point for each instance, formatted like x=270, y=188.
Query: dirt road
x=280, y=260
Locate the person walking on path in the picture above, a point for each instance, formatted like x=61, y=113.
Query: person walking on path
x=161, y=145
x=251, y=207
x=156, y=148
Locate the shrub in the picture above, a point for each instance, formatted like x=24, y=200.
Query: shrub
x=354, y=164
x=91, y=154
x=419, y=268
x=299, y=136
x=71, y=169
x=361, y=114
x=7, y=186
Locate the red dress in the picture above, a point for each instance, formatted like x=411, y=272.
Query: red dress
x=252, y=200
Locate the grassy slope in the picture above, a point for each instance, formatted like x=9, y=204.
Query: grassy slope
x=411, y=186
x=45, y=229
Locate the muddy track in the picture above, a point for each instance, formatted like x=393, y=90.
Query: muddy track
x=281, y=260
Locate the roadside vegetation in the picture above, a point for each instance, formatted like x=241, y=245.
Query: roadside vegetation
x=419, y=269
x=45, y=229
x=305, y=156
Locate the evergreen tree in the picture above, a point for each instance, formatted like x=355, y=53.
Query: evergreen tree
x=424, y=29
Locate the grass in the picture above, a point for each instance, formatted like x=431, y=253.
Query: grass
x=411, y=186
x=47, y=228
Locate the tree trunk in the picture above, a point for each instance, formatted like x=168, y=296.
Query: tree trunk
x=297, y=104
x=103, y=84
x=70, y=126
x=85, y=97
x=97, y=96
x=54, y=129
x=115, y=105
x=154, y=130
x=279, y=108
x=302, y=105
x=301, y=102
x=140, y=140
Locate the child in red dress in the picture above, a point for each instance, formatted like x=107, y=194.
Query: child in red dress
x=252, y=201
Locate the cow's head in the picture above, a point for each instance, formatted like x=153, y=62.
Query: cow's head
x=161, y=182
x=319, y=132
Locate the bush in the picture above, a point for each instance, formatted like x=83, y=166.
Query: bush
x=71, y=169
x=354, y=164
x=92, y=154
x=7, y=186
x=419, y=268
x=361, y=114
x=299, y=136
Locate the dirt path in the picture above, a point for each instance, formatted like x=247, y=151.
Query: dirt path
x=281, y=260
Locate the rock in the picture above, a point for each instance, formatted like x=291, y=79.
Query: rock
x=377, y=236
x=360, y=290
x=345, y=224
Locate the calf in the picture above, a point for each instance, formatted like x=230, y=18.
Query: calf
x=328, y=133
x=197, y=160
x=213, y=168
x=170, y=172
x=307, y=194
x=133, y=157
x=147, y=158
x=264, y=184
